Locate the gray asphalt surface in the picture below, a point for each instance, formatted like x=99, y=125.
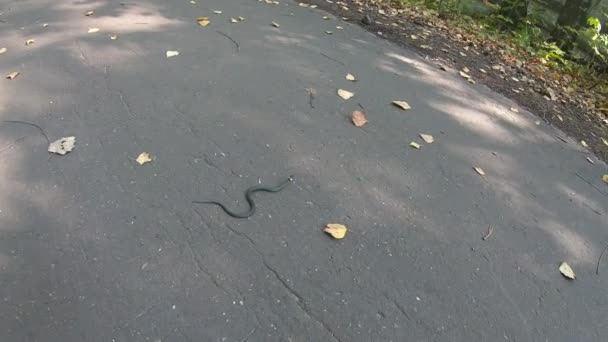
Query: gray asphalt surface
x=94, y=247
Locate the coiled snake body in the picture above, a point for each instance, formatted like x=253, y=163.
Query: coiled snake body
x=248, y=193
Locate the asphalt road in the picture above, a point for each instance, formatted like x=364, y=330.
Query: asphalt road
x=94, y=247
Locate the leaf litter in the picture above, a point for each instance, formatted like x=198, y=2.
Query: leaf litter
x=567, y=271
x=402, y=104
x=62, y=146
x=358, y=118
x=345, y=94
x=427, y=138
x=143, y=158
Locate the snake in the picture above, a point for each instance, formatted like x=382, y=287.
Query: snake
x=250, y=191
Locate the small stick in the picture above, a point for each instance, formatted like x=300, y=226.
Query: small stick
x=597, y=269
x=311, y=97
x=588, y=182
x=31, y=124
x=490, y=231
x=333, y=59
x=238, y=47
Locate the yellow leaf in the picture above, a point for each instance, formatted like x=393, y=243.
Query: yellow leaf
x=113, y=37
x=584, y=143
x=414, y=145
x=325, y=17
x=93, y=30
x=567, y=271
x=203, y=21
x=2, y=50
x=172, y=53
x=29, y=42
x=337, y=231
x=605, y=178
x=88, y=13
x=350, y=77
x=402, y=104
x=345, y=94
x=143, y=158
x=427, y=138
x=12, y=75
x=603, y=140
x=479, y=170
x=275, y=24
x=358, y=118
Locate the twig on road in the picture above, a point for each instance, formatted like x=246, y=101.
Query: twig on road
x=488, y=234
x=238, y=47
x=333, y=59
x=31, y=124
x=588, y=182
x=599, y=260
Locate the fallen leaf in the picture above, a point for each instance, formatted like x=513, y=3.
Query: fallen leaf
x=233, y=20
x=325, y=17
x=358, y=118
x=590, y=160
x=3, y=50
x=45, y=25
x=514, y=110
x=427, y=138
x=241, y=18
x=29, y=42
x=426, y=47
x=464, y=75
x=339, y=28
x=337, y=231
x=350, y=77
x=402, y=104
x=562, y=120
x=604, y=141
x=345, y=94
x=465, y=69
x=462, y=54
x=113, y=37
x=62, y=146
x=605, y=178
x=470, y=80
x=12, y=75
x=217, y=12
x=479, y=170
x=93, y=30
x=172, y=53
x=88, y=13
x=329, y=32
x=584, y=143
x=414, y=145
x=567, y=271
x=203, y=21
x=483, y=71
x=275, y=24
x=143, y=158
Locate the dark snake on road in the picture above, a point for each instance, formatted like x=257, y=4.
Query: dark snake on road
x=248, y=193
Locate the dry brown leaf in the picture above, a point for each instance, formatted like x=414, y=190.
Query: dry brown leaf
x=172, y=53
x=12, y=75
x=427, y=138
x=415, y=145
x=567, y=271
x=350, y=77
x=2, y=50
x=143, y=158
x=62, y=146
x=93, y=29
x=275, y=24
x=402, y=104
x=203, y=21
x=336, y=230
x=358, y=118
x=88, y=13
x=345, y=94
x=29, y=42
x=479, y=170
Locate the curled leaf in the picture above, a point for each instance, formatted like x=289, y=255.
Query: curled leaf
x=402, y=104
x=345, y=94
x=143, y=158
x=358, y=118
x=203, y=21
x=337, y=231
x=479, y=170
x=62, y=146
x=12, y=75
x=567, y=271
x=29, y=42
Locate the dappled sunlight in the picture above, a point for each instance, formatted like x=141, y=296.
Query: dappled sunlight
x=574, y=245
